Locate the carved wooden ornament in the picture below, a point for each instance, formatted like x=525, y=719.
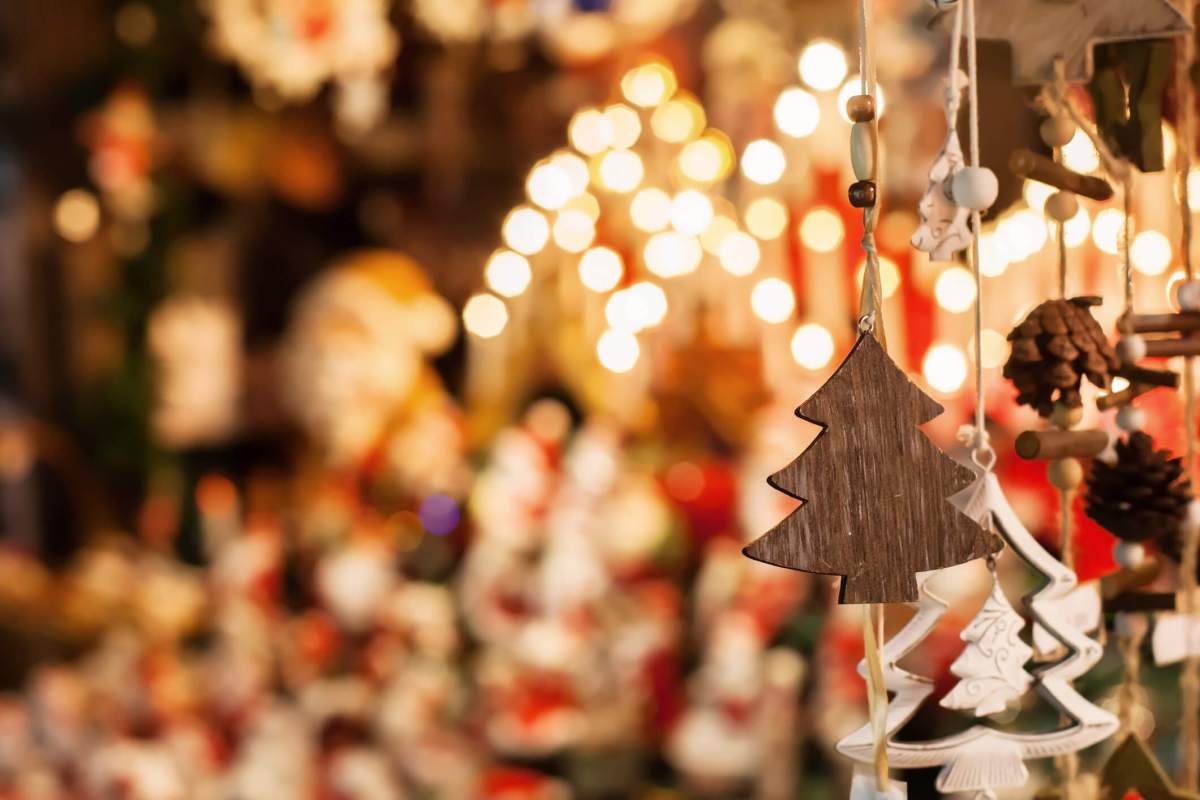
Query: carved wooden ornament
x=1133, y=768
x=1042, y=32
x=874, y=488
x=981, y=758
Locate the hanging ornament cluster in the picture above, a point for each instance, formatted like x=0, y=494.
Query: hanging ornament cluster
x=289, y=50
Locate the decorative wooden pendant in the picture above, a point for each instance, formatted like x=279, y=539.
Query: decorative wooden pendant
x=1042, y=32
x=1133, y=768
x=874, y=488
x=982, y=759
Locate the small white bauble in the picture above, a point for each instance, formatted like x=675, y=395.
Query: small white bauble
x=1188, y=295
x=1057, y=131
x=1131, y=349
x=1062, y=206
x=1128, y=554
x=1131, y=418
x=975, y=188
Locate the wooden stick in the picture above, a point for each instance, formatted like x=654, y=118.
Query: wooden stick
x=1052, y=444
x=1184, y=322
x=1149, y=377
x=1028, y=164
x=1127, y=579
x=1169, y=348
x=1123, y=397
x=1136, y=602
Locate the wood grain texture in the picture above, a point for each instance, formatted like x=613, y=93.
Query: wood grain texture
x=1041, y=32
x=874, y=488
x=1133, y=768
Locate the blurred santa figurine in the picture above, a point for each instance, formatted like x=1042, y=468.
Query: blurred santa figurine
x=357, y=375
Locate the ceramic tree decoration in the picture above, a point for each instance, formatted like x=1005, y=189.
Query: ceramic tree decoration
x=945, y=228
x=992, y=665
x=981, y=760
x=1042, y=33
x=874, y=488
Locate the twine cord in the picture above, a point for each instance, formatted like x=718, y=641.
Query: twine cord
x=1186, y=128
x=871, y=321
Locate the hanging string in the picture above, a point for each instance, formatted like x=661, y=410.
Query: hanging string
x=1186, y=129
x=981, y=452
x=871, y=299
x=1131, y=632
x=871, y=321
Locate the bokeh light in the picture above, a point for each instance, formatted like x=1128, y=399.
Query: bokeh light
x=621, y=171
x=812, y=346
x=485, y=315
x=648, y=85
x=574, y=230
x=797, y=112
x=739, y=253
x=772, y=300
x=1151, y=253
x=525, y=230
x=507, y=273
x=823, y=65
x=650, y=210
x=590, y=131
x=691, y=212
x=618, y=351
x=945, y=368
x=822, y=230
x=77, y=215
x=626, y=126
x=763, y=162
x=766, y=218
x=600, y=269
x=955, y=290
x=670, y=254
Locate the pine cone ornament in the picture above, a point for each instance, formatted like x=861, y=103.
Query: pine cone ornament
x=1057, y=345
x=1142, y=496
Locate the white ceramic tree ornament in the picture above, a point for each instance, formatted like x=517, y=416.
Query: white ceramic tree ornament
x=982, y=760
x=992, y=665
x=944, y=228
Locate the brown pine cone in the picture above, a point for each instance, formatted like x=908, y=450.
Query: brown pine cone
x=1058, y=345
x=1142, y=496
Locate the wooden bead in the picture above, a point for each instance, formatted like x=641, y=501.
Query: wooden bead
x=1188, y=295
x=863, y=146
x=861, y=108
x=975, y=188
x=1062, y=206
x=1065, y=474
x=1057, y=131
x=1128, y=554
x=1131, y=349
x=1063, y=416
x=1131, y=418
x=862, y=194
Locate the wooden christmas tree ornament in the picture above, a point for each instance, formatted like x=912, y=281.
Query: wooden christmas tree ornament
x=1040, y=32
x=874, y=488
